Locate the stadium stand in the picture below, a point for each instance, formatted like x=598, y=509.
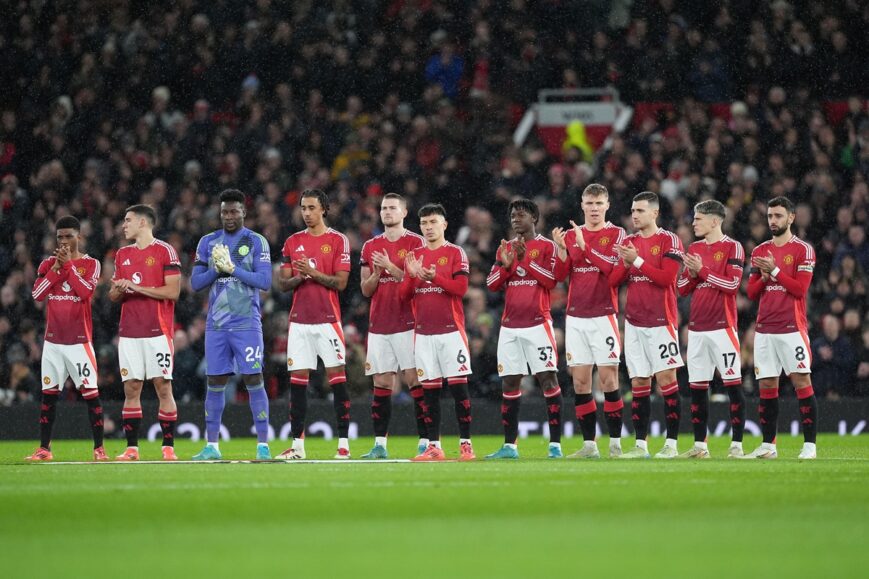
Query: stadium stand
x=107, y=104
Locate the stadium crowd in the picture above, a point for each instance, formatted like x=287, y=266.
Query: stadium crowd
x=107, y=104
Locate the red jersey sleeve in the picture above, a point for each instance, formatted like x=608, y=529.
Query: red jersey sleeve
x=45, y=279
x=84, y=284
x=341, y=253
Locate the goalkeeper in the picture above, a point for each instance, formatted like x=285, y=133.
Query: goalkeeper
x=235, y=263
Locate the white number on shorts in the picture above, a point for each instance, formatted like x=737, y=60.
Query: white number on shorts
x=670, y=349
x=163, y=360
x=611, y=342
x=543, y=355
x=83, y=369
x=732, y=356
x=251, y=355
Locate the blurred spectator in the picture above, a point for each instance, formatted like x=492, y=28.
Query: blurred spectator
x=833, y=361
x=170, y=106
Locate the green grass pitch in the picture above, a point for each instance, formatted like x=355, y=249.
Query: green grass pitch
x=528, y=518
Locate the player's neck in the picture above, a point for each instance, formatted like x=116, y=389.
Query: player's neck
x=783, y=239
x=528, y=235
x=435, y=244
x=713, y=237
x=144, y=239
x=317, y=230
x=394, y=232
x=594, y=226
x=649, y=230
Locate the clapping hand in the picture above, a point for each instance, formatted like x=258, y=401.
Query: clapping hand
x=693, y=263
x=222, y=260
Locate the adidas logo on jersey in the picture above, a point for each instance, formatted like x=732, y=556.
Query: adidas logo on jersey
x=550, y=364
x=671, y=361
x=126, y=262
x=463, y=368
x=801, y=366
x=613, y=355
x=730, y=372
x=300, y=248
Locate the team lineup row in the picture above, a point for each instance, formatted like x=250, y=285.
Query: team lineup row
x=417, y=329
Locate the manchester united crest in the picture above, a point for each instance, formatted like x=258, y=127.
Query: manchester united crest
x=325, y=248
x=46, y=380
x=535, y=253
x=719, y=256
x=367, y=366
x=402, y=253
x=419, y=372
x=149, y=261
x=789, y=259
x=603, y=241
x=80, y=270
x=500, y=368
x=124, y=372
x=442, y=261
x=656, y=249
x=289, y=361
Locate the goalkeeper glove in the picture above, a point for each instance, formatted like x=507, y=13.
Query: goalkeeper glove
x=222, y=260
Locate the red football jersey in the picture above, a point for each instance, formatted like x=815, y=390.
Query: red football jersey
x=713, y=305
x=782, y=307
x=69, y=292
x=389, y=312
x=651, y=286
x=590, y=294
x=143, y=316
x=329, y=253
x=435, y=310
x=528, y=283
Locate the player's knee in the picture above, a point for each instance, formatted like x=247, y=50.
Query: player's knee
x=641, y=382
x=253, y=381
x=609, y=381
x=133, y=388
x=581, y=384
x=665, y=377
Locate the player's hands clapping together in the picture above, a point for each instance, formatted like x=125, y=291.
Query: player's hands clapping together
x=381, y=262
x=61, y=255
x=627, y=253
x=222, y=260
x=412, y=265
x=693, y=263
x=519, y=246
x=508, y=253
x=765, y=264
x=304, y=268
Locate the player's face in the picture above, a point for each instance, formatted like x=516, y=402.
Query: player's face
x=433, y=227
x=312, y=211
x=779, y=220
x=522, y=221
x=133, y=224
x=232, y=216
x=594, y=208
x=643, y=215
x=68, y=239
x=704, y=224
x=392, y=212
